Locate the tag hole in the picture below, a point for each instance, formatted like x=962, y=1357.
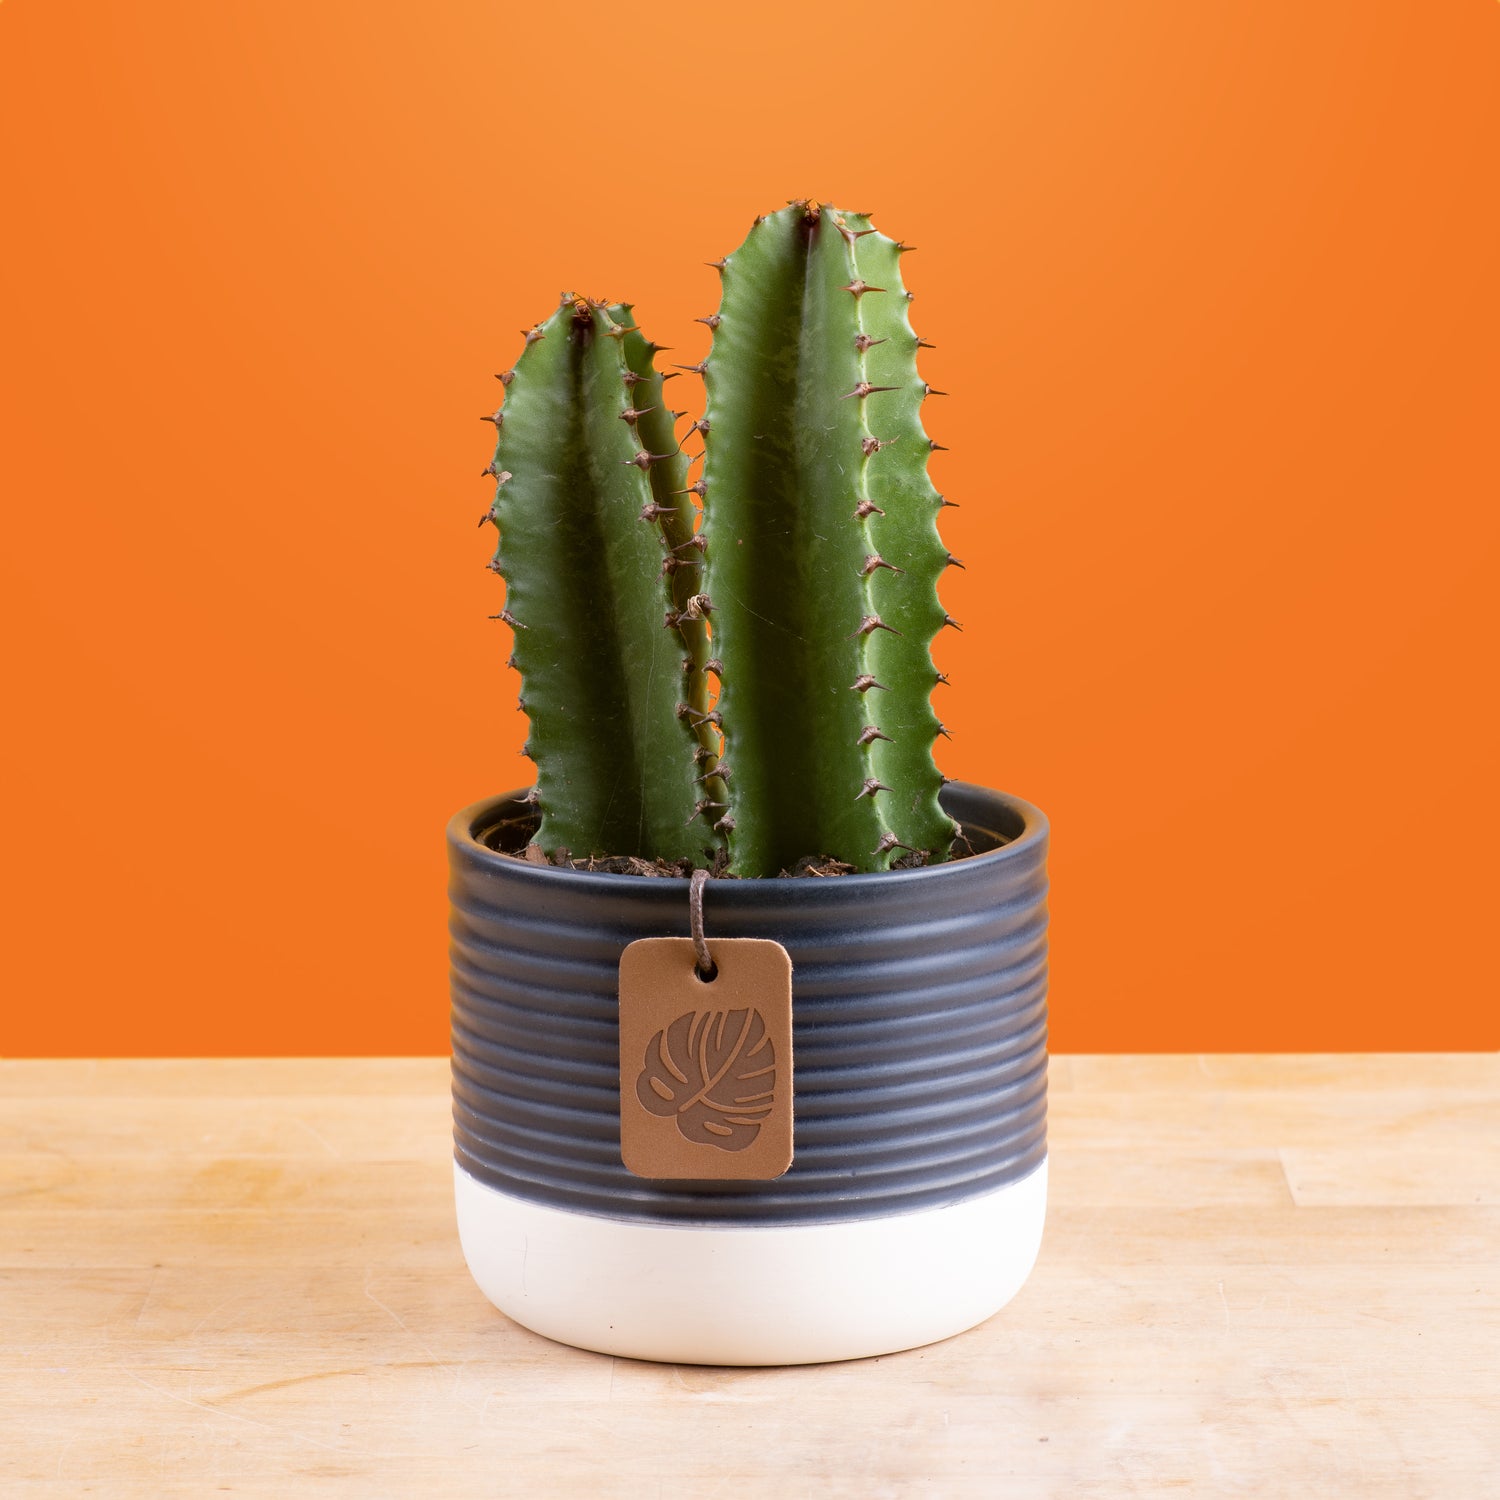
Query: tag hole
x=708, y=975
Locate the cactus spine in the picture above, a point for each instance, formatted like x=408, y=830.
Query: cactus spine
x=586, y=469
x=823, y=553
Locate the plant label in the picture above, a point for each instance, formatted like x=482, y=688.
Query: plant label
x=706, y=1064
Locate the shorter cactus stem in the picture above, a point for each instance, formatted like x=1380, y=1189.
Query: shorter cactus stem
x=615, y=773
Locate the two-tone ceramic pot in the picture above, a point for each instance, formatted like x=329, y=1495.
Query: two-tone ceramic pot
x=914, y=1205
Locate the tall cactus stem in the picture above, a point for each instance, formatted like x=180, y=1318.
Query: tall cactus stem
x=820, y=577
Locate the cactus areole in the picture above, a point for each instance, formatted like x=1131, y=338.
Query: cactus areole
x=731, y=668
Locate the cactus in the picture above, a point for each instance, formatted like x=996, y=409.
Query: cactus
x=813, y=580
x=823, y=552
x=585, y=468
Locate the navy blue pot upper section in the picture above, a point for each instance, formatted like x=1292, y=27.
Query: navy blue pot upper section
x=919, y=1023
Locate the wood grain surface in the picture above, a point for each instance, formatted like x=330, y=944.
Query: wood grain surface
x=1268, y=1276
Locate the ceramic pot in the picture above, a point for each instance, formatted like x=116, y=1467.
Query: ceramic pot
x=913, y=1208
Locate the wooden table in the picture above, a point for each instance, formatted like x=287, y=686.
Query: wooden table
x=1268, y=1276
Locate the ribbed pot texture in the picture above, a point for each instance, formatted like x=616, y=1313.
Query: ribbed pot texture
x=919, y=1023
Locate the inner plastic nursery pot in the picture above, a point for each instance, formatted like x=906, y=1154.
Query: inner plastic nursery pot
x=914, y=1205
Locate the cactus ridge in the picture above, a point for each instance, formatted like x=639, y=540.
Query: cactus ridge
x=822, y=557
x=674, y=513
x=584, y=453
x=906, y=552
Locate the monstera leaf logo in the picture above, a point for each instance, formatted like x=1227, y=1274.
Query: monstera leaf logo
x=716, y=1072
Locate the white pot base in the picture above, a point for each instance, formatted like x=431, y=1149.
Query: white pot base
x=736, y=1294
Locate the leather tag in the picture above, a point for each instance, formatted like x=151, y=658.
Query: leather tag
x=706, y=1066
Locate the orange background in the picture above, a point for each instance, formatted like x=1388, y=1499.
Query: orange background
x=1216, y=290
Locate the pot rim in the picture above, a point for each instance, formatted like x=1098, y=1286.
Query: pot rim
x=465, y=826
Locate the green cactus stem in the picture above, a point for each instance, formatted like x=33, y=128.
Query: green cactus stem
x=823, y=555
x=586, y=468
